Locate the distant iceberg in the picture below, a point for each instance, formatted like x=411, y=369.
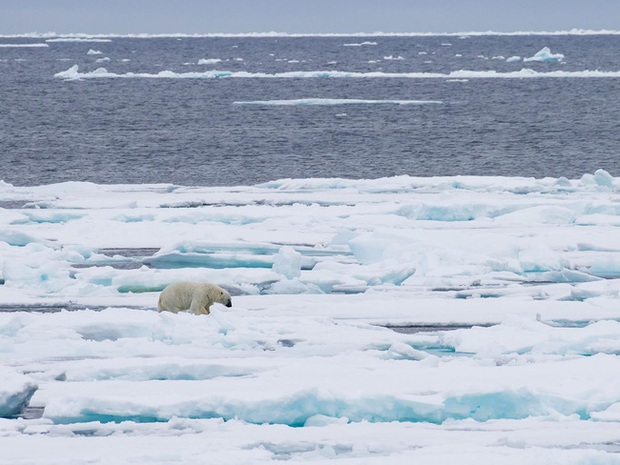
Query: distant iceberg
x=94, y=52
x=545, y=55
x=512, y=59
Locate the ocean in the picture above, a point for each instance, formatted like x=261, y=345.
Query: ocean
x=241, y=110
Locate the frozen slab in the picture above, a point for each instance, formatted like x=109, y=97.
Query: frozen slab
x=16, y=390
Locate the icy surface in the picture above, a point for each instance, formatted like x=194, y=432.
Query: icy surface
x=373, y=321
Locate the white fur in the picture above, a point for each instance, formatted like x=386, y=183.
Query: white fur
x=195, y=296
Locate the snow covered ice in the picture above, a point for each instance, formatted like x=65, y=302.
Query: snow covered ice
x=396, y=320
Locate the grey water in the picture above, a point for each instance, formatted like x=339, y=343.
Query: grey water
x=190, y=131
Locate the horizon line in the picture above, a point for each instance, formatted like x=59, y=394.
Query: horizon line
x=139, y=35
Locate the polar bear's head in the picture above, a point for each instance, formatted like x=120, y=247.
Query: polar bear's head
x=223, y=297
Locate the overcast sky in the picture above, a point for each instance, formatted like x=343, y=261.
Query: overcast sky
x=304, y=16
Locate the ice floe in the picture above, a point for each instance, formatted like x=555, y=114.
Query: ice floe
x=330, y=101
x=209, y=61
x=34, y=45
x=373, y=320
x=74, y=73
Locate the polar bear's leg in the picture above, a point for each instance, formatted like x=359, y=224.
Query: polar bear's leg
x=198, y=307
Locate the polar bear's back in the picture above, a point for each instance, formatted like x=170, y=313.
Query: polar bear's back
x=178, y=296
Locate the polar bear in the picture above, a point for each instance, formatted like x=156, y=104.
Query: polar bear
x=195, y=296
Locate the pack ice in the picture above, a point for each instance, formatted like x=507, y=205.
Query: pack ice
x=374, y=321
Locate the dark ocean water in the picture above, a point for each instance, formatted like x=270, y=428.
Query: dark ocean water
x=188, y=130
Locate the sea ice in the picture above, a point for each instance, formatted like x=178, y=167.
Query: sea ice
x=545, y=54
x=359, y=44
x=34, y=45
x=209, y=61
x=328, y=101
x=73, y=73
x=373, y=320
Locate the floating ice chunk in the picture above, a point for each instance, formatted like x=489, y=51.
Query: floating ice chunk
x=102, y=73
x=287, y=262
x=209, y=61
x=376, y=247
x=513, y=59
x=78, y=39
x=70, y=74
x=16, y=238
x=293, y=286
x=400, y=350
x=102, y=60
x=334, y=101
x=392, y=57
x=612, y=413
x=452, y=212
x=544, y=214
x=545, y=54
x=15, y=392
x=600, y=178
x=606, y=267
x=539, y=257
x=94, y=52
x=36, y=45
x=360, y=44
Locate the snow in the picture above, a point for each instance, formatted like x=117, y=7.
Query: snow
x=373, y=321
x=545, y=55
